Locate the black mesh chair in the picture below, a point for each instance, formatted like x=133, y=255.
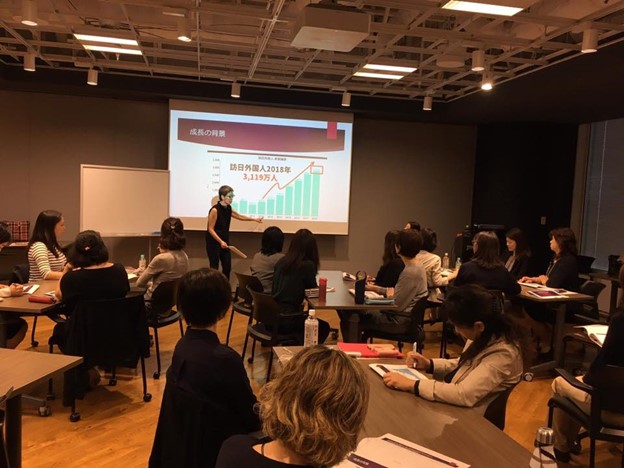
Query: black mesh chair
x=242, y=299
x=604, y=397
x=497, y=409
x=161, y=314
x=411, y=332
x=267, y=316
x=106, y=333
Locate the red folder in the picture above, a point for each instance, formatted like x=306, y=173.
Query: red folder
x=42, y=299
x=366, y=352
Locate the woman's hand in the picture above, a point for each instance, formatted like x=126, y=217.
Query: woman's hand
x=259, y=220
x=452, y=275
x=397, y=381
x=417, y=361
x=528, y=279
x=16, y=289
x=224, y=245
x=542, y=279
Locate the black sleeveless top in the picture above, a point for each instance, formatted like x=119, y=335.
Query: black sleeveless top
x=222, y=226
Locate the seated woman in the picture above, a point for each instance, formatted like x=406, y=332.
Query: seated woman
x=209, y=373
x=611, y=354
x=311, y=425
x=46, y=259
x=412, y=286
x=392, y=265
x=263, y=263
x=16, y=329
x=485, y=268
x=432, y=264
x=295, y=273
x=92, y=277
x=519, y=259
x=171, y=263
x=491, y=362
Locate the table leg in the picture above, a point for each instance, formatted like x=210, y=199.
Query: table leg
x=557, y=342
x=4, y=319
x=613, y=298
x=353, y=325
x=14, y=431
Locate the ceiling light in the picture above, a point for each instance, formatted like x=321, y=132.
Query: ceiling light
x=29, y=62
x=390, y=68
x=590, y=41
x=450, y=61
x=428, y=103
x=346, y=99
x=487, y=8
x=382, y=76
x=478, y=60
x=486, y=82
x=236, y=90
x=92, y=77
x=170, y=11
x=106, y=39
x=117, y=50
x=29, y=13
x=184, y=34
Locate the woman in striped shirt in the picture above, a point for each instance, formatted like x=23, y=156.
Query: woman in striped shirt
x=46, y=260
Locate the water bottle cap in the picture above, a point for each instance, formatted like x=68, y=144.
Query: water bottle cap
x=545, y=436
x=311, y=312
x=142, y=255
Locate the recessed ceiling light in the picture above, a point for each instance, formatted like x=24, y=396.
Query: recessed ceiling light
x=106, y=39
x=391, y=68
x=487, y=8
x=381, y=76
x=116, y=50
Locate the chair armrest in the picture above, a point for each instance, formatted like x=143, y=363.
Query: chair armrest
x=576, y=383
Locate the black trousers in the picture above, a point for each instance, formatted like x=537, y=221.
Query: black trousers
x=216, y=254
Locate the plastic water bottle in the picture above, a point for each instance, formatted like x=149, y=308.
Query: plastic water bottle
x=310, y=333
x=142, y=262
x=446, y=261
x=458, y=263
x=544, y=453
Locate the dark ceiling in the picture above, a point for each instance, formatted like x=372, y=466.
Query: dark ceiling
x=584, y=89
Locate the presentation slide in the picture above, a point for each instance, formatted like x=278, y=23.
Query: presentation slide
x=291, y=167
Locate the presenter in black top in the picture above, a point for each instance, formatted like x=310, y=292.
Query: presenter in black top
x=218, y=234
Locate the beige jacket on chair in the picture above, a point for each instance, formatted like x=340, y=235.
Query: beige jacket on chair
x=478, y=381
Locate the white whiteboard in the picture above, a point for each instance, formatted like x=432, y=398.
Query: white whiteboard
x=123, y=201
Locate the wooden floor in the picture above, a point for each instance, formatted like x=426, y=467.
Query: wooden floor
x=117, y=427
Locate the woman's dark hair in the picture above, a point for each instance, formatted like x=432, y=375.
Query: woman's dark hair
x=565, y=239
x=390, y=242
x=522, y=244
x=88, y=249
x=488, y=250
x=272, y=241
x=44, y=231
x=302, y=247
x=429, y=239
x=471, y=303
x=172, y=234
x=204, y=297
x=224, y=190
x=414, y=225
x=409, y=243
x=5, y=234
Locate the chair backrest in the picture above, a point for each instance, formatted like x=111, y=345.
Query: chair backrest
x=20, y=274
x=245, y=283
x=418, y=316
x=164, y=297
x=499, y=297
x=265, y=309
x=497, y=409
x=109, y=332
x=584, y=263
x=608, y=391
x=592, y=288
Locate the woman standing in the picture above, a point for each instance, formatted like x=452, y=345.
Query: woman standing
x=46, y=260
x=218, y=234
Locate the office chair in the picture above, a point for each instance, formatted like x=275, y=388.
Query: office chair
x=107, y=333
x=161, y=314
x=606, y=397
x=242, y=299
x=408, y=333
x=497, y=409
x=267, y=314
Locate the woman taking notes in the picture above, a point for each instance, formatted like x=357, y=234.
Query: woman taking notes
x=312, y=414
x=491, y=362
x=46, y=260
x=218, y=234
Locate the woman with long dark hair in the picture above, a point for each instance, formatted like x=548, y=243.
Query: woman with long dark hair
x=295, y=273
x=492, y=360
x=392, y=265
x=518, y=261
x=46, y=259
x=486, y=268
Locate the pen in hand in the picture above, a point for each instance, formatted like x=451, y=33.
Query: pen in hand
x=414, y=349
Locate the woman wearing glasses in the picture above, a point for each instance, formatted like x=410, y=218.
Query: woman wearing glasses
x=218, y=234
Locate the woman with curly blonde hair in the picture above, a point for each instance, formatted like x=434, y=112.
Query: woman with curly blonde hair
x=312, y=413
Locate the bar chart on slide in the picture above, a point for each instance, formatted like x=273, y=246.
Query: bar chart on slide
x=298, y=198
